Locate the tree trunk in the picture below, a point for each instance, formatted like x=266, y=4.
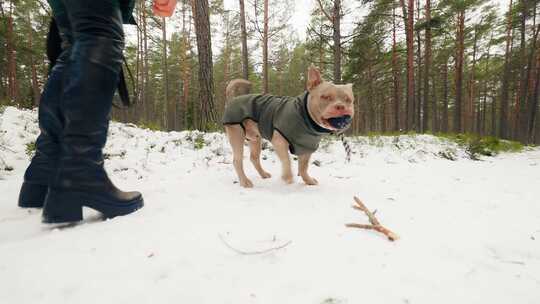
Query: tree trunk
x=534, y=137
x=469, y=117
x=427, y=66
x=336, y=16
x=245, y=64
x=13, y=91
x=444, y=126
x=460, y=37
x=532, y=108
x=145, y=100
x=371, y=107
x=204, y=49
x=185, y=73
x=395, y=74
x=265, y=48
x=35, y=85
x=169, y=102
x=503, y=118
x=521, y=108
x=483, y=126
x=418, y=88
x=226, y=64
x=408, y=17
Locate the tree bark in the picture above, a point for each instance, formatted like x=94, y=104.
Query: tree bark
x=533, y=119
x=395, y=74
x=470, y=115
x=336, y=24
x=427, y=66
x=201, y=16
x=245, y=64
x=13, y=91
x=521, y=108
x=532, y=105
x=144, y=95
x=408, y=17
x=503, y=118
x=418, y=88
x=483, y=126
x=265, y=48
x=444, y=126
x=35, y=85
x=460, y=37
x=169, y=102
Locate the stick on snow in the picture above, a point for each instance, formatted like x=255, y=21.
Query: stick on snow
x=375, y=225
x=243, y=252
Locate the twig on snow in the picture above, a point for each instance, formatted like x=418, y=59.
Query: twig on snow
x=243, y=252
x=375, y=225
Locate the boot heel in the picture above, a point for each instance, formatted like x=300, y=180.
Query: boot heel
x=62, y=207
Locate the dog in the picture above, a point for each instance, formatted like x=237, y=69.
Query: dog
x=292, y=124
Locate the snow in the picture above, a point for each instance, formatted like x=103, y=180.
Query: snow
x=470, y=230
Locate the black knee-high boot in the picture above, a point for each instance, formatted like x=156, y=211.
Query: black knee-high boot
x=39, y=172
x=90, y=81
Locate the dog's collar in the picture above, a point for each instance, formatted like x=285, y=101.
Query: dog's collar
x=312, y=122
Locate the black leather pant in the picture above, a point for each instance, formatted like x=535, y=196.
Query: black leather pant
x=75, y=106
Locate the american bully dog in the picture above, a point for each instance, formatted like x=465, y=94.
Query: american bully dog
x=291, y=124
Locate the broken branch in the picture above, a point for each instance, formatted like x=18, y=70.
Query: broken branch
x=375, y=224
x=252, y=252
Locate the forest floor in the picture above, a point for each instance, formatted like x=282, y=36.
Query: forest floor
x=470, y=229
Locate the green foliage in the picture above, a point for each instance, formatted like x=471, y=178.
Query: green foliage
x=30, y=148
x=483, y=146
x=150, y=126
x=198, y=142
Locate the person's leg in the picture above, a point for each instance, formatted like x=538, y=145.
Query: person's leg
x=38, y=173
x=89, y=85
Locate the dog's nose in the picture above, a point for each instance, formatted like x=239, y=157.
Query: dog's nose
x=339, y=108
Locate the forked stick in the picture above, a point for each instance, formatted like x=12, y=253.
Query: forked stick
x=375, y=225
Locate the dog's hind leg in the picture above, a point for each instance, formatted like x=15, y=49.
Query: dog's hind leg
x=255, y=147
x=236, y=139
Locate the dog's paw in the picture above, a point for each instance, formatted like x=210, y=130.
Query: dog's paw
x=265, y=174
x=288, y=179
x=310, y=180
x=246, y=183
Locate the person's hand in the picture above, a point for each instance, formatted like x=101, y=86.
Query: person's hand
x=164, y=8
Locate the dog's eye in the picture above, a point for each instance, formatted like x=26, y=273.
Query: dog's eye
x=326, y=97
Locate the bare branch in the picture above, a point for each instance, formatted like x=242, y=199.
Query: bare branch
x=330, y=18
x=256, y=252
x=375, y=225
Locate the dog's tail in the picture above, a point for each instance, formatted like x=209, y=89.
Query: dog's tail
x=237, y=87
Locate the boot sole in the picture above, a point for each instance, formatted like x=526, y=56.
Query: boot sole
x=66, y=206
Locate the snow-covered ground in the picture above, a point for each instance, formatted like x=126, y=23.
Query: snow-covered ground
x=470, y=230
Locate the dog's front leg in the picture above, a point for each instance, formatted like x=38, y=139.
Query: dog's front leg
x=281, y=146
x=303, y=164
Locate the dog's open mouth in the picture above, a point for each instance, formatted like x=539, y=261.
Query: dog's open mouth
x=338, y=123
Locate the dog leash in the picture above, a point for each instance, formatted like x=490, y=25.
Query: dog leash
x=347, y=146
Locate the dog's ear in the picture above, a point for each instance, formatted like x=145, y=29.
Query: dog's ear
x=314, y=78
x=349, y=87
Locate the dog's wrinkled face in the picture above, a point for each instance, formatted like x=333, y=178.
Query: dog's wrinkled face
x=329, y=105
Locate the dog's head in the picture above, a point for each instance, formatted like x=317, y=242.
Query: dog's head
x=329, y=105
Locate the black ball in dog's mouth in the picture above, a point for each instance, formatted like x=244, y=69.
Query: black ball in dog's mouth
x=340, y=122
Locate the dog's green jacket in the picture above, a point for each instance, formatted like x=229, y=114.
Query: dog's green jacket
x=287, y=115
